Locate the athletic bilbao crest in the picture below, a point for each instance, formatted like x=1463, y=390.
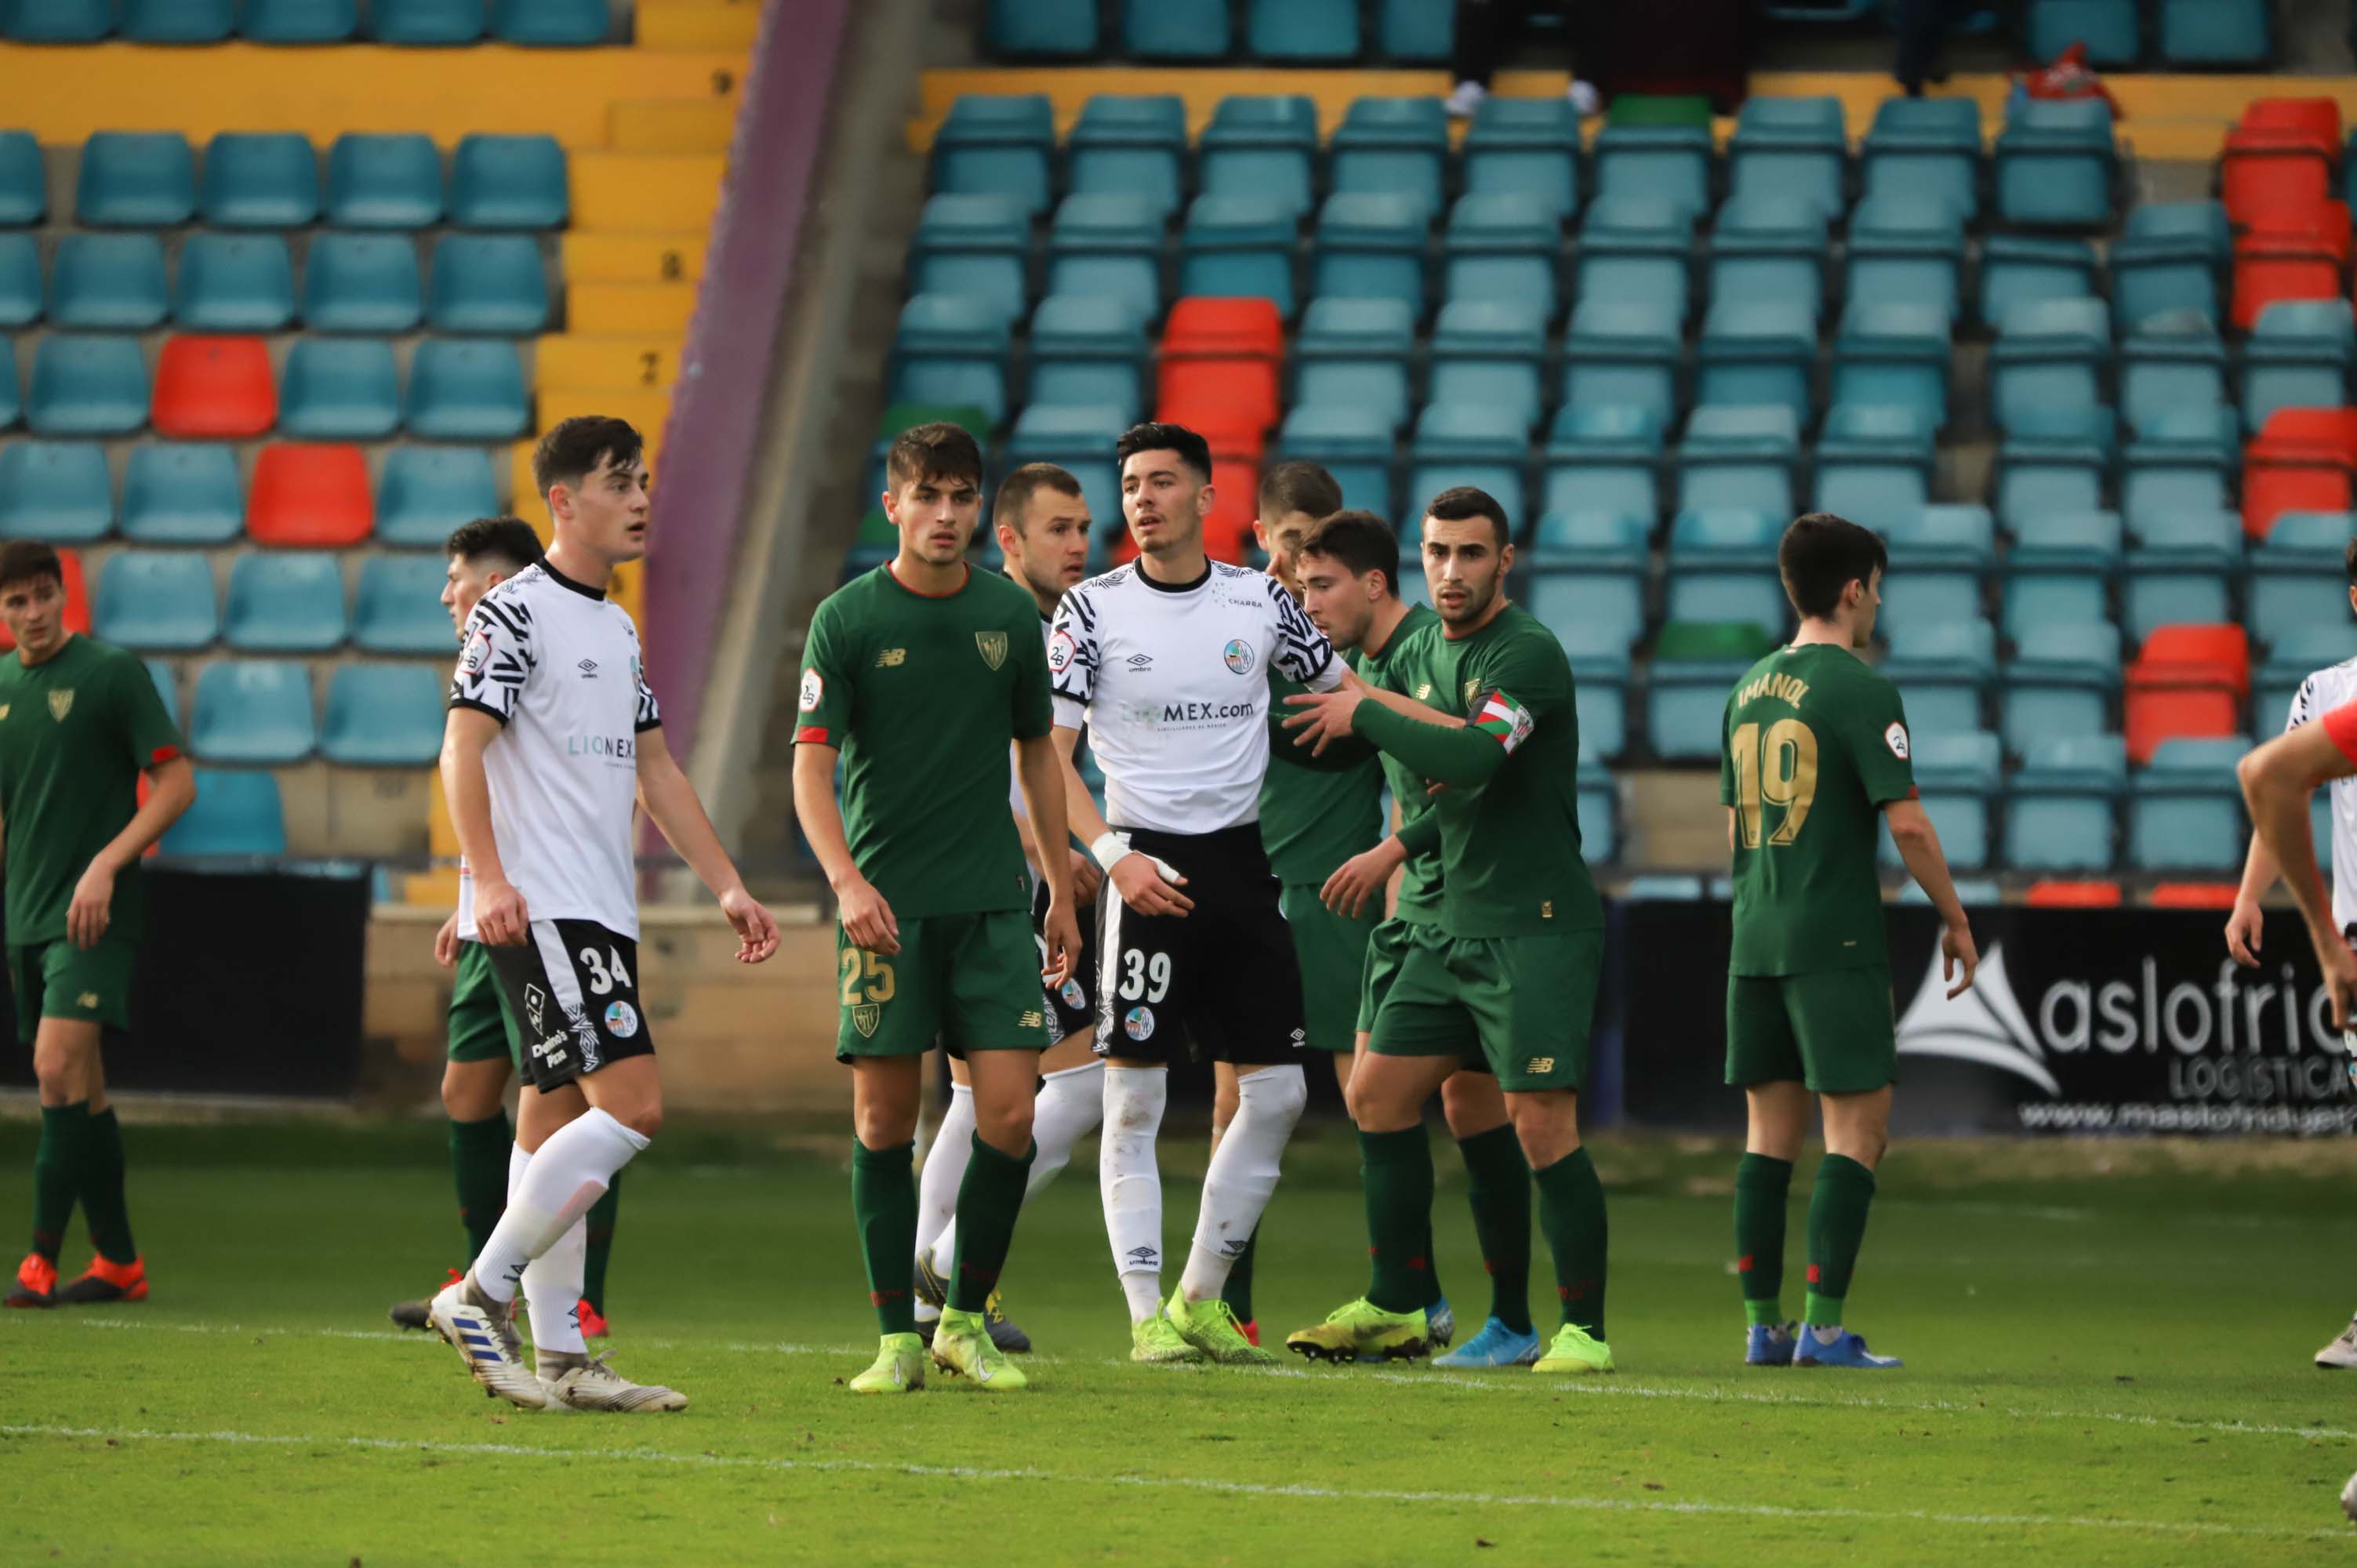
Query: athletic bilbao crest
x=61, y=705
x=864, y=1018
x=993, y=645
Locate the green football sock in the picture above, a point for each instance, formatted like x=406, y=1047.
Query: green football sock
x=884, y=1203
x=479, y=1164
x=1500, y=1192
x=1762, y=1183
x=1571, y=1212
x=101, y=1190
x=56, y=1174
x=1397, y=1168
x=1237, y=1292
x=1432, y=1294
x=601, y=1244
x=1836, y=1228
x=989, y=1198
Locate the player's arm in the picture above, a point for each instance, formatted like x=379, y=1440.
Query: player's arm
x=1918, y=846
x=1144, y=882
x=670, y=803
x=1335, y=755
x=2246, y=924
x=173, y=788
x=1368, y=873
x=2278, y=779
x=868, y=919
x=501, y=916
x=1040, y=767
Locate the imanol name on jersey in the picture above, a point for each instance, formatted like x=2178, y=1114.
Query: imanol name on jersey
x=1790, y=687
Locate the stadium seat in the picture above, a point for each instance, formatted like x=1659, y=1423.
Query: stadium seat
x=1502, y=246
x=2185, y=808
x=56, y=491
x=2215, y=33
x=1874, y=465
x=1764, y=252
x=1939, y=557
x=1589, y=571
x=1066, y=29
x=1220, y=363
x=1130, y=147
x=461, y=390
x=299, y=21
x=1238, y=247
x=235, y=283
x=385, y=181
x=952, y=349
x=2169, y=260
x=977, y=245
x=2298, y=653
x=1958, y=776
x=2017, y=271
x=339, y=389
x=997, y=145
x=255, y=712
x=234, y=814
x=1177, y=29
x=396, y=607
x=1759, y=354
x=182, y=493
x=1108, y=243
x=2106, y=28
x=1926, y=148
x=2182, y=462
x=1695, y=665
x=1635, y=251
x=155, y=601
x=136, y=179
x=283, y=602
x=57, y=21
x=1088, y=350
x=12, y=408
x=1259, y=147
x=1602, y=461
x=1905, y=249
x=107, y=283
x=1600, y=672
x=1599, y=809
x=2302, y=460
x=2059, y=571
x=425, y=492
x=87, y=386
x=1722, y=567
x=1739, y=457
x=20, y=282
x=1395, y=146
x=2062, y=681
x=1623, y=356
x=2048, y=357
x=488, y=282
x=1314, y=31
x=307, y=496
x=1527, y=147
x=2186, y=681
x=24, y=187
x=1458, y=446
x=2056, y=467
x=425, y=22
x=2298, y=575
x=2298, y=356
x=259, y=180
x=1942, y=670
x=1893, y=356
x=1354, y=442
x=1078, y=439
x=362, y=283
x=509, y=182
x=2183, y=570
x=1355, y=353
x=1370, y=246
x=383, y=715
x=1657, y=163
x=1486, y=353
x=2055, y=162
x=2061, y=814
x=2284, y=257
x=1789, y=153
x=2176, y=364
x=550, y=23
x=168, y=687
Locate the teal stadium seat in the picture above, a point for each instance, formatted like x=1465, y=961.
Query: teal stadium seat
x=1238, y=247
x=2061, y=814
x=1319, y=32
x=1940, y=556
x=1130, y=146
x=977, y=245
x=1487, y=353
x=2298, y=575
x=2298, y=356
x=55, y=21
x=1393, y=146
x=1177, y=29
x=24, y=185
x=2055, y=162
x=2185, y=808
x=2208, y=33
x=2057, y=466
x=255, y=712
x=2050, y=357
x=2061, y=572
x=1060, y=28
x=509, y=182
x=1741, y=457
x=1108, y=243
x=2169, y=258
x=1356, y=352
x=1458, y=444
x=1764, y=251
x=182, y=492
x=2107, y=28
x=951, y=350
x=339, y=389
x=235, y=814
x=2183, y=570
x=1601, y=670
x=1658, y=163
x=382, y=715
x=1958, y=778
x=1635, y=251
x=1926, y=148
x=396, y=605
x=2019, y=270
x=1089, y=350
x=461, y=390
x=55, y=491
x=488, y=282
x=997, y=145
x=1874, y=465
x=155, y=601
x=1415, y=32
x=136, y=179
x=108, y=283
x=363, y=282
x=1588, y=569
x=1503, y=245
x=1722, y=567
x=168, y=687
x=1602, y=458
x=425, y=492
x=1623, y=356
x=1942, y=669
x=1695, y=665
x=385, y=181
x=299, y=21
x=176, y=21
x=1790, y=152
x=259, y=180
x=1527, y=147
x=1080, y=441
x=1906, y=249
x=1599, y=810
x=20, y=280
x=1354, y=442
x=235, y=283
x=12, y=407
x=2182, y=461
x=1757, y=354
x=284, y=601
x=1893, y=356
x=547, y=24
x=2298, y=653
x=1258, y=146
x=87, y=386
x=425, y=22
x=2175, y=363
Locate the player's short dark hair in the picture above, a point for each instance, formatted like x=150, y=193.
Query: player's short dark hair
x=939, y=451
x=28, y=561
x=2349, y=560
x=1821, y=555
x=508, y=539
x=1295, y=486
x=1013, y=506
x=1465, y=501
x=574, y=447
x=1361, y=541
x=1157, y=436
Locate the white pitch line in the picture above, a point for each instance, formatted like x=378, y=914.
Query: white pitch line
x=413, y=1337
x=1179, y=1483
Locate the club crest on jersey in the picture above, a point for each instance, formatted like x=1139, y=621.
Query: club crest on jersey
x=1239, y=655
x=992, y=645
x=61, y=705
x=1472, y=690
x=814, y=689
x=1074, y=997
x=621, y=1020
x=4, y=710
x=864, y=1018
x=1138, y=1025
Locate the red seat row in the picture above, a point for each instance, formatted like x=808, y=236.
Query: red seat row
x=2186, y=681
x=2303, y=460
x=1221, y=365
x=215, y=389
x=2279, y=175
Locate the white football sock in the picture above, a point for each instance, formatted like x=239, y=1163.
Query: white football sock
x=1242, y=1175
x=1130, y=1184
x=559, y=1180
x=945, y=1172
x=552, y=1291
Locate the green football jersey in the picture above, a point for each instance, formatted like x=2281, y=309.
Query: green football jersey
x=1419, y=886
x=1812, y=746
x=924, y=695
x=1313, y=819
x=75, y=734
x=1508, y=815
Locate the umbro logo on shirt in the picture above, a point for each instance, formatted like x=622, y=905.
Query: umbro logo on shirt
x=1140, y=661
x=588, y=668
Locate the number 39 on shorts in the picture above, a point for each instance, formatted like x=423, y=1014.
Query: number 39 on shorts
x=859, y=964
x=1142, y=977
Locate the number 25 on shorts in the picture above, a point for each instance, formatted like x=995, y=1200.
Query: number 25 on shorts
x=1777, y=769
x=858, y=963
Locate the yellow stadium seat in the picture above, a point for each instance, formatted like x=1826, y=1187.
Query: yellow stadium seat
x=620, y=363
x=639, y=192
x=611, y=308
x=631, y=258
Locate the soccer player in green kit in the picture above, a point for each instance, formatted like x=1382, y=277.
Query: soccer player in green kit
x=1509, y=972
x=1814, y=750
x=79, y=722
x=918, y=676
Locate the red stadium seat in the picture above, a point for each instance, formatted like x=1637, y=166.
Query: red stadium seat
x=213, y=388
x=310, y=497
x=2318, y=117
x=2073, y=895
x=1235, y=501
x=2290, y=256
x=2194, y=896
x=2188, y=681
x=77, y=600
x=2303, y=460
x=2266, y=170
x=1221, y=359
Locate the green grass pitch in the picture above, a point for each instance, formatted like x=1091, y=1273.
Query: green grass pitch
x=2107, y=1350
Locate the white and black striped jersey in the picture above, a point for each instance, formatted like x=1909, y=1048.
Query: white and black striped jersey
x=557, y=663
x=2325, y=690
x=1172, y=684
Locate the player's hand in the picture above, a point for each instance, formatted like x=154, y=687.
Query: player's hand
x=1957, y=952
x=1137, y=877
x=867, y=920
x=1062, y=932
x=2244, y=929
x=500, y=918
x=1362, y=876
x=1320, y=718
x=1087, y=877
x=92, y=905
x=446, y=942
x=2340, y=966
x=757, y=933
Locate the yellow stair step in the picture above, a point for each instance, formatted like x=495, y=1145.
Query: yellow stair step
x=631, y=258
x=645, y=409
x=659, y=309
x=674, y=125
x=625, y=362
x=712, y=25
x=641, y=192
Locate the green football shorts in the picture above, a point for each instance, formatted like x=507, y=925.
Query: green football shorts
x=1333, y=952
x=968, y=982
x=481, y=1029
x=1523, y=1007
x=58, y=980
x=1832, y=1030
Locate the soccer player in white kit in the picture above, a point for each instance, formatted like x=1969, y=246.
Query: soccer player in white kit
x=553, y=737
x=2322, y=691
